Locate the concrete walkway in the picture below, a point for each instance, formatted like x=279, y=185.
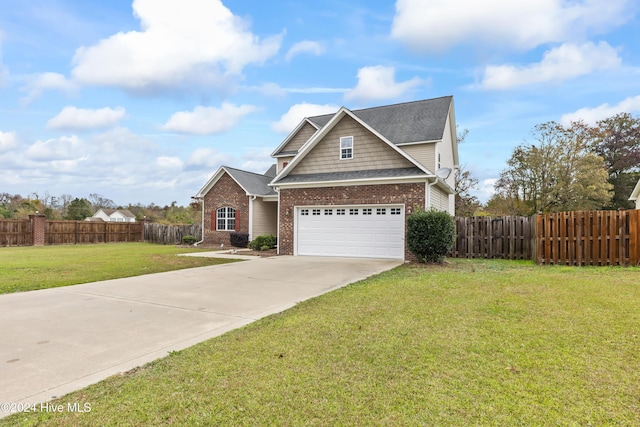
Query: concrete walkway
x=55, y=341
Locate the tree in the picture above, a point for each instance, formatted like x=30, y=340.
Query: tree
x=100, y=202
x=78, y=209
x=465, y=203
x=559, y=173
x=617, y=140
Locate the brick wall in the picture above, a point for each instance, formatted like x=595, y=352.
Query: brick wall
x=225, y=193
x=410, y=195
x=38, y=223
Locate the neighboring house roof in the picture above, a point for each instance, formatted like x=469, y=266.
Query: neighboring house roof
x=417, y=121
x=254, y=184
x=124, y=212
x=635, y=195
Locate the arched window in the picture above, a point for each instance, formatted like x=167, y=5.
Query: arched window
x=226, y=219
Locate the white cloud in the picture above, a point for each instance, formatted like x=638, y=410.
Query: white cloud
x=206, y=158
x=592, y=115
x=63, y=148
x=7, y=141
x=208, y=120
x=258, y=161
x=305, y=46
x=169, y=162
x=72, y=118
x=437, y=25
x=38, y=83
x=187, y=41
x=558, y=64
x=378, y=83
x=296, y=113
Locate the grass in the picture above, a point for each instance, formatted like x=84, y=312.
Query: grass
x=29, y=268
x=473, y=343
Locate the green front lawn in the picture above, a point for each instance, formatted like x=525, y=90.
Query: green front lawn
x=28, y=268
x=474, y=343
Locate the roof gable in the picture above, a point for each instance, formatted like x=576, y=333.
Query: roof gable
x=296, y=138
x=322, y=133
x=254, y=184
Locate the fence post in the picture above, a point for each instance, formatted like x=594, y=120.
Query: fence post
x=143, y=222
x=634, y=237
x=38, y=223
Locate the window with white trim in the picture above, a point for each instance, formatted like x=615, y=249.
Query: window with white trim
x=353, y=211
x=381, y=211
x=328, y=211
x=366, y=211
x=340, y=211
x=395, y=211
x=226, y=219
x=315, y=212
x=304, y=212
x=346, y=147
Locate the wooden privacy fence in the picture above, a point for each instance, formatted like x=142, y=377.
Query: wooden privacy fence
x=508, y=237
x=589, y=238
x=79, y=232
x=15, y=232
x=170, y=234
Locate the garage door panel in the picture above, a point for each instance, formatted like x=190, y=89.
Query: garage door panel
x=355, y=231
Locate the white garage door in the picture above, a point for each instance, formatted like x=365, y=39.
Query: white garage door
x=352, y=231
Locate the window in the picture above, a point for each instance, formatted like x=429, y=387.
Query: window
x=346, y=147
x=328, y=211
x=304, y=212
x=340, y=211
x=284, y=164
x=439, y=162
x=353, y=211
x=226, y=219
x=381, y=211
x=316, y=212
x=366, y=211
x=395, y=211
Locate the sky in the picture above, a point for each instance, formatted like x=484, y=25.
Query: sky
x=141, y=102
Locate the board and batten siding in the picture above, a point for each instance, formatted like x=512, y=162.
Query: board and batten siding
x=369, y=152
x=265, y=218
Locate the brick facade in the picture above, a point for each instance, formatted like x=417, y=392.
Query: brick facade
x=409, y=195
x=38, y=225
x=225, y=193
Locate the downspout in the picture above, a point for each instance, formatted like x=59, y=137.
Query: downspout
x=201, y=240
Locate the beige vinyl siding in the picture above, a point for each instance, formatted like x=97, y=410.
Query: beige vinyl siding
x=265, y=218
x=369, y=152
x=282, y=161
x=424, y=153
x=298, y=140
x=439, y=199
x=445, y=148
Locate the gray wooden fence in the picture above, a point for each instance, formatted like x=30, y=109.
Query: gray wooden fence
x=170, y=234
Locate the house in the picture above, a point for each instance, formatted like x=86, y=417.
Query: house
x=113, y=215
x=343, y=183
x=635, y=195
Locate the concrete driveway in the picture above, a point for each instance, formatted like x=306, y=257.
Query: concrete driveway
x=55, y=341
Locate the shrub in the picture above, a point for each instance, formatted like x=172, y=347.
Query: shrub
x=239, y=240
x=430, y=234
x=263, y=243
x=189, y=240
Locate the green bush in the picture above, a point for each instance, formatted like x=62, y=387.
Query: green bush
x=189, y=240
x=430, y=235
x=239, y=240
x=263, y=243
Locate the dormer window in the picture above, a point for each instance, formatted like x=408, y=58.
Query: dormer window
x=346, y=147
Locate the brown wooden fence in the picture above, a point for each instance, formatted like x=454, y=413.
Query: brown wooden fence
x=170, y=234
x=79, y=232
x=508, y=237
x=15, y=232
x=589, y=238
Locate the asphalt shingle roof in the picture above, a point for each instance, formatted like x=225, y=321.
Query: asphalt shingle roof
x=253, y=183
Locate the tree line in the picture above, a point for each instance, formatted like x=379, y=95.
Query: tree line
x=564, y=168
x=15, y=206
